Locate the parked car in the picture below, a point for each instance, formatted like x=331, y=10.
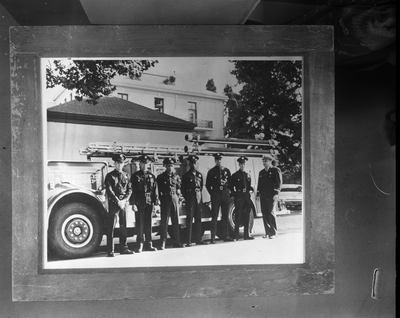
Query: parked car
x=291, y=197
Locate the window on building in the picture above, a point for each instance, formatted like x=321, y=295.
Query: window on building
x=159, y=104
x=123, y=96
x=192, y=112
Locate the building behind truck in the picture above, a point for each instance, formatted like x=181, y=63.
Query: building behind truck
x=143, y=111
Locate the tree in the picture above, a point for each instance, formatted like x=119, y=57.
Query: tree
x=269, y=107
x=170, y=80
x=91, y=79
x=210, y=86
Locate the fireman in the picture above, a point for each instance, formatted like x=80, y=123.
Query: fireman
x=218, y=184
x=118, y=190
x=169, y=184
x=192, y=185
x=143, y=199
x=241, y=189
x=268, y=188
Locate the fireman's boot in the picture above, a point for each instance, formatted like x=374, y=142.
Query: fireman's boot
x=149, y=247
x=162, y=247
x=140, y=248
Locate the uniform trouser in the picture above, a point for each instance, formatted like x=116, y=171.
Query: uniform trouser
x=269, y=219
x=170, y=208
x=143, y=218
x=242, y=213
x=220, y=200
x=111, y=222
x=193, y=210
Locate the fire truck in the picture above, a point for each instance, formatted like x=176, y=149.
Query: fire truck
x=77, y=202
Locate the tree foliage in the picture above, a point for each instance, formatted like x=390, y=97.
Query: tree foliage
x=91, y=79
x=268, y=107
x=210, y=86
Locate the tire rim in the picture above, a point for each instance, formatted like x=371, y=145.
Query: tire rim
x=233, y=219
x=77, y=231
x=234, y=215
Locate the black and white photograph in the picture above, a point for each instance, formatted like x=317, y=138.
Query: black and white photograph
x=172, y=162
x=169, y=162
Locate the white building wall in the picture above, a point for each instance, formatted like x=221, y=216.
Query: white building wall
x=65, y=140
x=210, y=106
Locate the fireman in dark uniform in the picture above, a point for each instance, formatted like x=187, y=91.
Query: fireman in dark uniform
x=118, y=189
x=241, y=189
x=218, y=184
x=169, y=184
x=192, y=186
x=143, y=199
x=275, y=164
x=268, y=188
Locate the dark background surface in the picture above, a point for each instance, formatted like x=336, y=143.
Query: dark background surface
x=365, y=217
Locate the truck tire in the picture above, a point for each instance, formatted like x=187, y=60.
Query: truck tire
x=75, y=231
x=231, y=220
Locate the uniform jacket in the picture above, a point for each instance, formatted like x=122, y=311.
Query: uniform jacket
x=269, y=182
x=118, y=187
x=190, y=182
x=168, y=183
x=217, y=178
x=143, y=182
x=241, y=182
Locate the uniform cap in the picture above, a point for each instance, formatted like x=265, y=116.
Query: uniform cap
x=144, y=159
x=267, y=157
x=118, y=157
x=169, y=160
x=242, y=159
x=218, y=155
x=192, y=158
x=135, y=159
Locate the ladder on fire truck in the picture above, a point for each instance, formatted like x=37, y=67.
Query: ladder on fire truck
x=200, y=146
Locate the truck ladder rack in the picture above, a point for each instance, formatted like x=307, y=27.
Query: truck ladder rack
x=107, y=149
x=200, y=140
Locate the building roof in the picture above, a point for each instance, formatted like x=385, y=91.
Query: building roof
x=116, y=112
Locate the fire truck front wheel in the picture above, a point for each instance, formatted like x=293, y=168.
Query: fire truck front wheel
x=75, y=231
